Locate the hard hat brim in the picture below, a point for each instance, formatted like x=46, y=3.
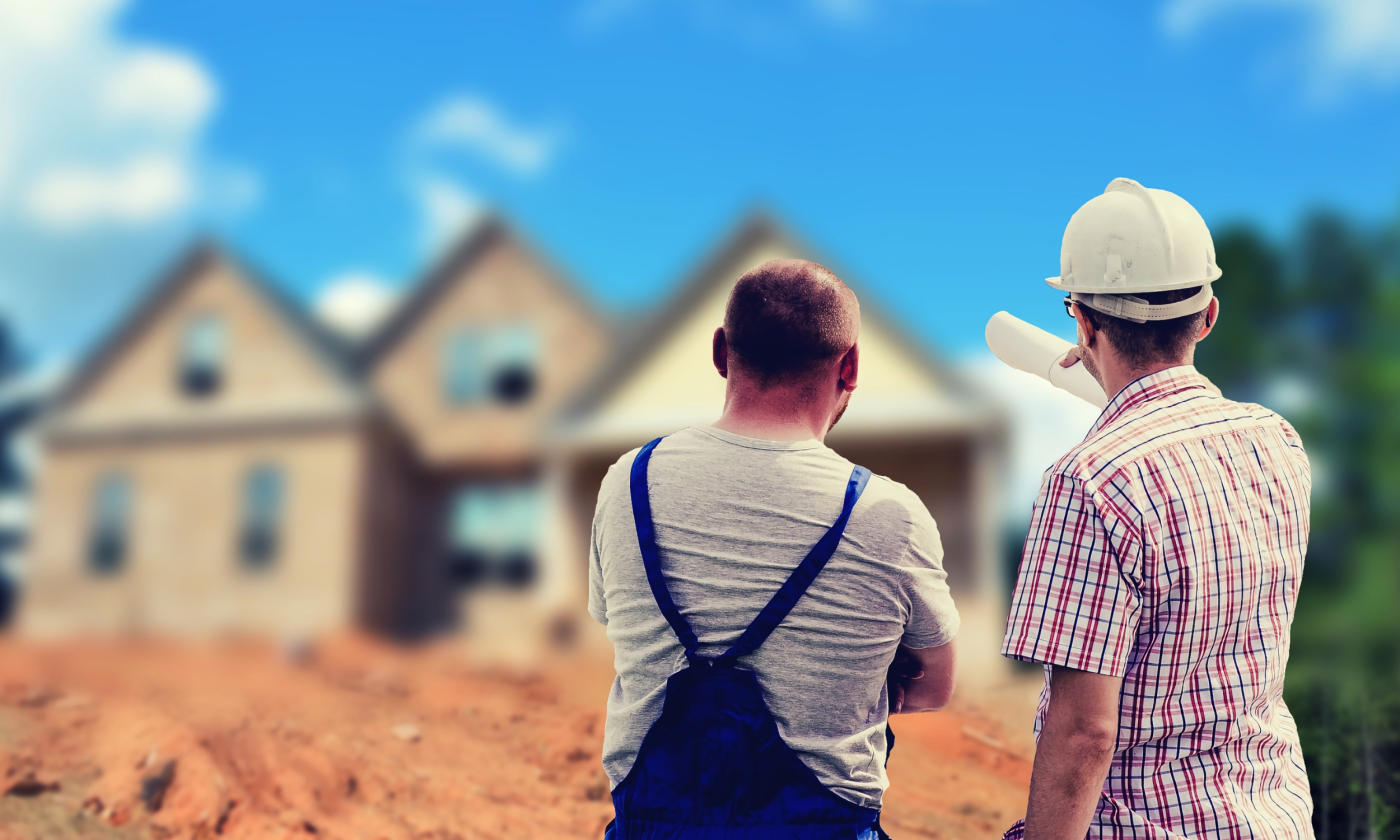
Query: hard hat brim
x=1058, y=283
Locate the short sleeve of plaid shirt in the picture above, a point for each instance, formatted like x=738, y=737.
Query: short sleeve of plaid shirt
x=1076, y=602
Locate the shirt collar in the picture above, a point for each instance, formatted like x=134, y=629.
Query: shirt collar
x=1154, y=386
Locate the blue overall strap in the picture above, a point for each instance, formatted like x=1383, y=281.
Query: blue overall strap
x=646, y=539
x=796, y=585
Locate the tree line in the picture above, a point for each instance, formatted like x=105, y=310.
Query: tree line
x=1310, y=327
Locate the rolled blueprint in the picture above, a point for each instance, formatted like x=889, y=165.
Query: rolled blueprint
x=1033, y=350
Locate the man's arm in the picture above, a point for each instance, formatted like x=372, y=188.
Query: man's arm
x=921, y=679
x=597, y=599
x=1076, y=607
x=921, y=675
x=1073, y=754
x=597, y=591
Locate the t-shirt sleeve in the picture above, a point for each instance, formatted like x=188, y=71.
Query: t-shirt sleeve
x=597, y=603
x=597, y=600
x=933, y=619
x=1074, y=604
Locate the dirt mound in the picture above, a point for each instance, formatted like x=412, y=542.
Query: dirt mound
x=357, y=739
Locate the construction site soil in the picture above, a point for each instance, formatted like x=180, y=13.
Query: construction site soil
x=354, y=738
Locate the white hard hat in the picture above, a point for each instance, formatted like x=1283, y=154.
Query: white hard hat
x=1134, y=239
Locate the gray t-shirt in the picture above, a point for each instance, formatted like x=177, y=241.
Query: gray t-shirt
x=734, y=516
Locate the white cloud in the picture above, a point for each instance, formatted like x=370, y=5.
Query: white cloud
x=158, y=89
x=464, y=138
x=53, y=24
x=135, y=192
x=474, y=125
x=446, y=209
x=9, y=147
x=103, y=165
x=1341, y=43
x=355, y=303
x=95, y=130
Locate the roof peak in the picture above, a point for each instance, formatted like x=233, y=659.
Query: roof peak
x=443, y=270
x=189, y=262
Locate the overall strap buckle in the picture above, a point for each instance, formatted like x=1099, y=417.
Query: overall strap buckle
x=722, y=661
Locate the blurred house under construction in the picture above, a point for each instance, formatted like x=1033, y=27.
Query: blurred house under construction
x=226, y=463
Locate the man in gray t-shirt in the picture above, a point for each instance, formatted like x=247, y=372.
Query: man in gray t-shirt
x=736, y=506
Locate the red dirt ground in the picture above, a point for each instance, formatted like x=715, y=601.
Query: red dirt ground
x=363, y=740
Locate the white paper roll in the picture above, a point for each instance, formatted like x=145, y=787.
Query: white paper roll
x=1033, y=350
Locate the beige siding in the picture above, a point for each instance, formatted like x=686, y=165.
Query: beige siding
x=270, y=371
x=506, y=285
x=183, y=573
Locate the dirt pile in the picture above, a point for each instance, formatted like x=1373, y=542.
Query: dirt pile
x=357, y=739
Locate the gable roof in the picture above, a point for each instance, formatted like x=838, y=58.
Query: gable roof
x=189, y=266
x=760, y=226
x=473, y=244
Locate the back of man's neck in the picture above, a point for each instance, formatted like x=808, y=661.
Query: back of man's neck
x=1123, y=377
x=767, y=428
x=785, y=415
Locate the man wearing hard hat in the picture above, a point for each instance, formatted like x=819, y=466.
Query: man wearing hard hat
x=1161, y=569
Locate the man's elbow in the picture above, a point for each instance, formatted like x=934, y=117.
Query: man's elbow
x=1091, y=735
x=941, y=697
x=942, y=690
x=928, y=697
x=1084, y=711
x=934, y=689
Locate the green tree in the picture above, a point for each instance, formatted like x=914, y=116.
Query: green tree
x=11, y=359
x=1312, y=329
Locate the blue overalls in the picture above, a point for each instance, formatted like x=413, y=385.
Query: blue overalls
x=713, y=766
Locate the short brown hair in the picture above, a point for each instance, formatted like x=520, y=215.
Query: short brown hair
x=1152, y=342
x=786, y=318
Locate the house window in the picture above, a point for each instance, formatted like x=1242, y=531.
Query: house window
x=202, y=351
x=490, y=364
x=494, y=533
x=464, y=367
x=260, y=535
x=109, y=537
x=513, y=357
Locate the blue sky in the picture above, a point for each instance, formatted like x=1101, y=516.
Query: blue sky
x=933, y=149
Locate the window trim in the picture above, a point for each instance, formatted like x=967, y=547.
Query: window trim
x=516, y=561
x=199, y=378
x=109, y=540
x=260, y=541
x=490, y=365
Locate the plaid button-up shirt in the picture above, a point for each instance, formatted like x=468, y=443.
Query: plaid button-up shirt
x=1167, y=549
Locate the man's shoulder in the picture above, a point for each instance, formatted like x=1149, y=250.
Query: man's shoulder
x=1146, y=430
x=619, y=475
x=884, y=488
x=618, y=480
x=890, y=506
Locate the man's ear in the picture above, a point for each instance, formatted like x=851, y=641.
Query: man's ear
x=1212, y=316
x=1086, y=327
x=850, y=368
x=720, y=353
